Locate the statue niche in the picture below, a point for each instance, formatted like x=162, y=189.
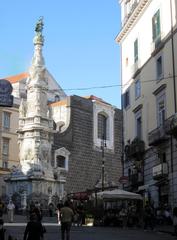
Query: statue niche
x=45, y=153
x=22, y=108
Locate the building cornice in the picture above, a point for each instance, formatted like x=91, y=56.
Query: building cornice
x=133, y=17
x=136, y=109
x=159, y=89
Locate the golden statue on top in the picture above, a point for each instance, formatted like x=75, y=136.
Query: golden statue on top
x=39, y=26
x=39, y=39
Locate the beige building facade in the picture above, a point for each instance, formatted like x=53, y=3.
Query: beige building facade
x=8, y=141
x=148, y=41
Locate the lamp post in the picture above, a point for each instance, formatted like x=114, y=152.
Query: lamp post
x=103, y=145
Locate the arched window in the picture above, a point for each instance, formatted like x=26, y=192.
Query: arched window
x=57, y=98
x=102, y=126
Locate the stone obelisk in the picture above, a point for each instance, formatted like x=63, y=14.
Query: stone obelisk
x=36, y=126
x=36, y=176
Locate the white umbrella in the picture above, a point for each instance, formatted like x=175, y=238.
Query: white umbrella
x=119, y=194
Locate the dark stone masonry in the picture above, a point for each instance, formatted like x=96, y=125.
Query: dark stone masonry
x=85, y=160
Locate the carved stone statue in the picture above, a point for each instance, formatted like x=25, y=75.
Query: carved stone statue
x=22, y=108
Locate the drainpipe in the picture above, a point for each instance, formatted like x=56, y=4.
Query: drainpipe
x=175, y=107
x=173, y=57
x=122, y=109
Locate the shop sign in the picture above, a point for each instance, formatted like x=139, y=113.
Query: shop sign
x=123, y=179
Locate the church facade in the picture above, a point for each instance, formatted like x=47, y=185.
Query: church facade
x=92, y=127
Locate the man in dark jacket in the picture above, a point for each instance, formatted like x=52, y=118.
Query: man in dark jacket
x=34, y=229
x=66, y=217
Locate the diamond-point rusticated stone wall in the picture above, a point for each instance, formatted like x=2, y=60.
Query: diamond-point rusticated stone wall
x=85, y=160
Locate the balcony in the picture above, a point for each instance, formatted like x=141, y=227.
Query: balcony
x=131, y=10
x=171, y=125
x=135, y=68
x=137, y=148
x=160, y=171
x=157, y=45
x=136, y=179
x=157, y=136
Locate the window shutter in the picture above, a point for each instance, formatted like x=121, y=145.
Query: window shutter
x=153, y=29
x=136, y=50
x=158, y=22
x=156, y=31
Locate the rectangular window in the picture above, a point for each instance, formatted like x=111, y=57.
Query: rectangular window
x=5, y=152
x=137, y=89
x=5, y=147
x=135, y=50
x=139, y=127
x=5, y=164
x=102, y=126
x=61, y=161
x=138, y=123
x=161, y=157
x=126, y=99
x=6, y=120
x=161, y=112
x=159, y=67
x=156, y=30
x=161, y=108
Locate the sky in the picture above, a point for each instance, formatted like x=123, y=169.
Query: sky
x=80, y=50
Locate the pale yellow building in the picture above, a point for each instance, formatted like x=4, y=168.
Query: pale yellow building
x=148, y=41
x=8, y=141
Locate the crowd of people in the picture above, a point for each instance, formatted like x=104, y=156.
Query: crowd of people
x=65, y=216
x=147, y=217
x=68, y=214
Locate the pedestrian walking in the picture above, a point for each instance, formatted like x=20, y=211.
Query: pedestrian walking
x=51, y=209
x=148, y=217
x=36, y=208
x=66, y=217
x=80, y=212
x=34, y=229
x=175, y=220
x=2, y=206
x=10, y=210
x=123, y=217
x=2, y=230
x=59, y=206
x=167, y=216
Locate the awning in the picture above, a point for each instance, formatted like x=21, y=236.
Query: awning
x=118, y=194
x=143, y=187
x=79, y=196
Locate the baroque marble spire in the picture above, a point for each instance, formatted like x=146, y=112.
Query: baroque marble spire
x=35, y=177
x=36, y=125
x=37, y=84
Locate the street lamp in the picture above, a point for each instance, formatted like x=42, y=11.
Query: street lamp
x=103, y=145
